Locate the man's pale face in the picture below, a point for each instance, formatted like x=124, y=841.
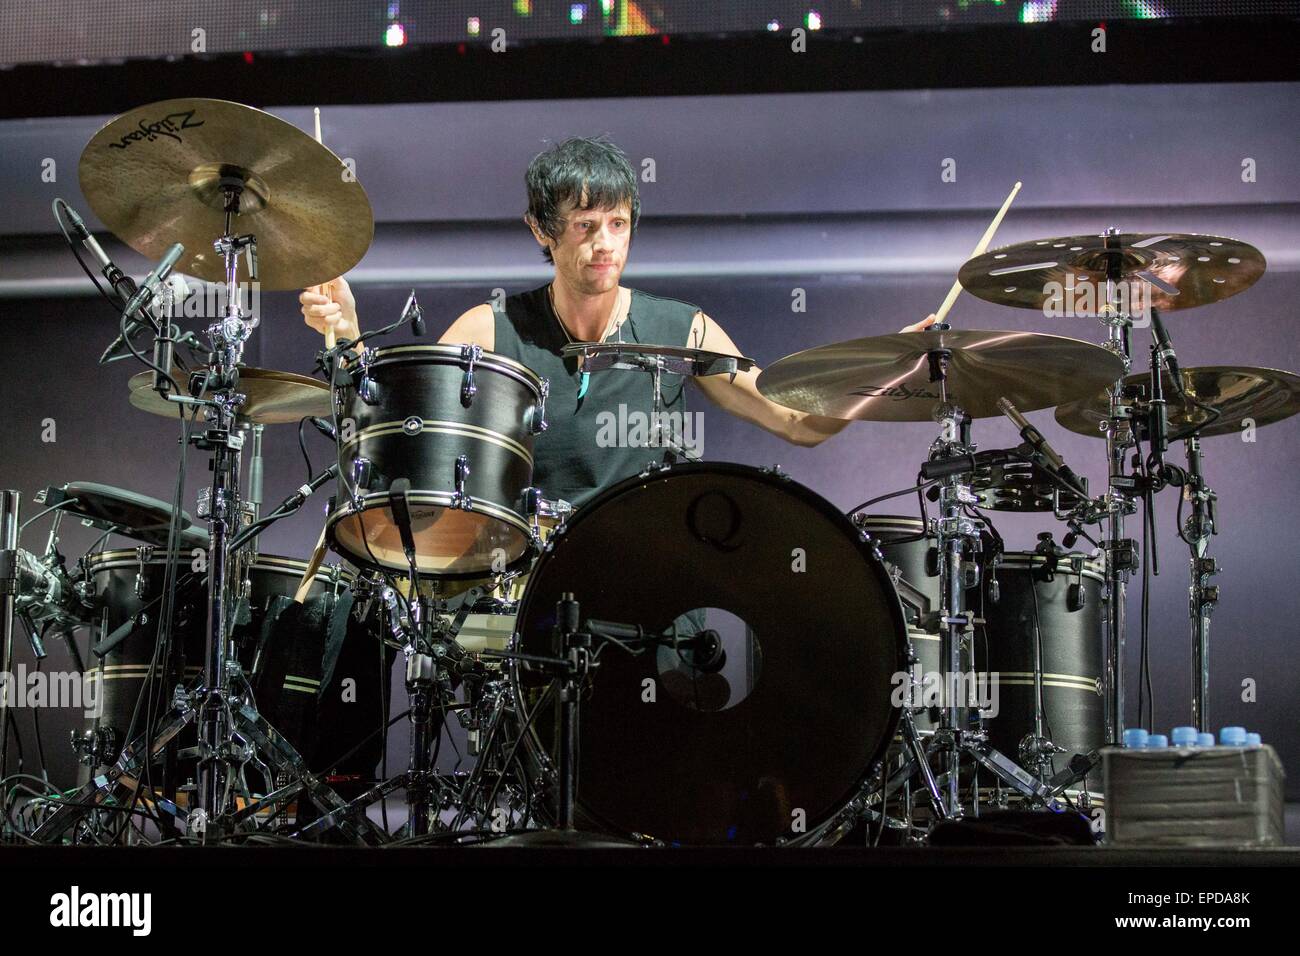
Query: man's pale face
x=591, y=249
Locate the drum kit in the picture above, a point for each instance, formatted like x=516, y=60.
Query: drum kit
x=705, y=653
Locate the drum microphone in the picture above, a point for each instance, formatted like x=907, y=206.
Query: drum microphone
x=1165, y=351
x=148, y=289
x=397, y=503
x=324, y=427
x=415, y=314
x=1035, y=440
x=123, y=285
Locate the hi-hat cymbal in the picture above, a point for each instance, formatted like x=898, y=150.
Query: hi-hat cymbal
x=888, y=377
x=273, y=397
x=670, y=358
x=1067, y=276
x=1264, y=395
x=155, y=175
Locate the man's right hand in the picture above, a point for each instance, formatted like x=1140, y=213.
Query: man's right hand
x=331, y=306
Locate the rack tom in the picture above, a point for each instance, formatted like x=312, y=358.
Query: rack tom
x=459, y=424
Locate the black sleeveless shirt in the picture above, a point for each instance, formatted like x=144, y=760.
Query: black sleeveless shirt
x=592, y=442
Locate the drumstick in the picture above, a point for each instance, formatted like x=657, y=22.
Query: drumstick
x=979, y=251
x=323, y=289
x=313, y=565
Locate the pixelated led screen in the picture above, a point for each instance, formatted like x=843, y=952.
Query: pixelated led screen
x=96, y=31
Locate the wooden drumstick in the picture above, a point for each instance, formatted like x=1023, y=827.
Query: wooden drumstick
x=324, y=289
x=313, y=565
x=979, y=251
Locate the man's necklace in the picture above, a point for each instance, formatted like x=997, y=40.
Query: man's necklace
x=585, y=378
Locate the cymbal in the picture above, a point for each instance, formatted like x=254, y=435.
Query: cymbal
x=1067, y=276
x=273, y=397
x=886, y=378
x=1264, y=395
x=153, y=176
x=673, y=358
x=127, y=513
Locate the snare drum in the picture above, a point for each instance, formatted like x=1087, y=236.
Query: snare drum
x=459, y=424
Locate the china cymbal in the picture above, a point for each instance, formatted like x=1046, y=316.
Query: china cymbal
x=273, y=397
x=154, y=176
x=888, y=377
x=1068, y=275
x=1264, y=395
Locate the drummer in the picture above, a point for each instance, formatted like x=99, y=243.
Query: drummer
x=583, y=209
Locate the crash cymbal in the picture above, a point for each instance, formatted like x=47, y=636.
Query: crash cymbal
x=153, y=176
x=676, y=359
x=1067, y=276
x=888, y=377
x=1264, y=395
x=273, y=397
x=125, y=512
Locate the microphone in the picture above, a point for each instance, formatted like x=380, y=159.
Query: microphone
x=413, y=311
x=122, y=284
x=1165, y=351
x=1035, y=440
x=324, y=427
x=148, y=289
x=397, y=504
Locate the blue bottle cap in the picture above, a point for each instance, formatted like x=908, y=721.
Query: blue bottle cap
x=1183, y=736
x=1233, y=736
x=1205, y=740
x=1253, y=740
x=1157, y=740
x=1135, y=737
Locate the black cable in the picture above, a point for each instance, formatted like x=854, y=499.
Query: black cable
x=302, y=446
x=894, y=494
x=165, y=373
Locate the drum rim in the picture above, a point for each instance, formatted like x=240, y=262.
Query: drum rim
x=120, y=558
x=402, y=354
x=861, y=541
x=1023, y=560
x=437, y=498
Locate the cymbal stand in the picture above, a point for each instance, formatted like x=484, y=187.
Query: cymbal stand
x=1119, y=551
x=659, y=436
x=1202, y=596
x=957, y=536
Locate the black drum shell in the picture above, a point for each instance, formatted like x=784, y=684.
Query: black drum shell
x=832, y=642
x=122, y=670
x=1073, y=651
x=415, y=427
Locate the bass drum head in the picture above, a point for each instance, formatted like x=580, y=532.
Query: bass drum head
x=778, y=740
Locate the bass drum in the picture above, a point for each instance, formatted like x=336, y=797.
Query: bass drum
x=772, y=746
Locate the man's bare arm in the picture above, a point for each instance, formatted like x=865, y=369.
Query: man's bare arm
x=742, y=398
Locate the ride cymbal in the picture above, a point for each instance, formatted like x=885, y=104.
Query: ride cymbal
x=888, y=378
x=156, y=175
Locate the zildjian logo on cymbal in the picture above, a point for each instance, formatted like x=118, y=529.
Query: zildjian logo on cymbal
x=898, y=393
x=167, y=126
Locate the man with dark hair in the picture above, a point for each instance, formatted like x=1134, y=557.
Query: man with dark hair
x=583, y=208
